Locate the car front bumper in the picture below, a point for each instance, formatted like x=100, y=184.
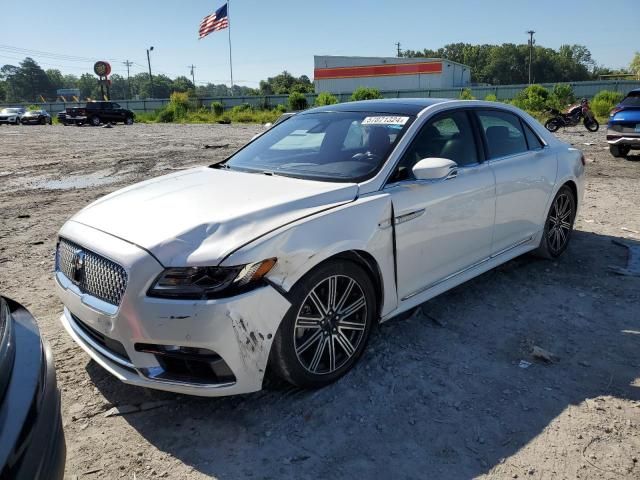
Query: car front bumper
x=126, y=339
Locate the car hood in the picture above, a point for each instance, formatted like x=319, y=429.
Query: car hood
x=201, y=215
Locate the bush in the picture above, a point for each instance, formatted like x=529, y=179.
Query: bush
x=491, y=97
x=217, y=108
x=297, y=101
x=281, y=108
x=534, y=98
x=465, y=94
x=365, y=93
x=561, y=96
x=604, y=101
x=166, y=115
x=325, y=98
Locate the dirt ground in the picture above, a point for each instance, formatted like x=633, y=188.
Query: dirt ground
x=438, y=395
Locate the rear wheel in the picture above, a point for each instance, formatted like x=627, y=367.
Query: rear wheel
x=552, y=125
x=619, y=151
x=559, y=224
x=327, y=326
x=128, y=121
x=43, y=121
x=95, y=121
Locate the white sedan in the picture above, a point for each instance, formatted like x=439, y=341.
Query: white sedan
x=284, y=256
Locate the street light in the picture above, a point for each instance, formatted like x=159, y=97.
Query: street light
x=150, y=49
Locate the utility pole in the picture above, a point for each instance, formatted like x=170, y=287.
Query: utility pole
x=128, y=64
x=397, y=44
x=531, y=43
x=150, y=49
x=193, y=76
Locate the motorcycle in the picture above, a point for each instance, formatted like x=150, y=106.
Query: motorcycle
x=572, y=117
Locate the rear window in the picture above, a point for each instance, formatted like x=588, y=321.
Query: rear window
x=503, y=133
x=631, y=100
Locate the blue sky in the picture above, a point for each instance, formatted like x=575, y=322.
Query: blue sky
x=269, y=37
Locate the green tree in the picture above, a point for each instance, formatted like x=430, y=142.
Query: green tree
x=285, y=83
x=634, y=66
x=183, y=84
x=30, y=82
x=55, y=78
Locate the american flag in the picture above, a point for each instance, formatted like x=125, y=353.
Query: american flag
x=216, y=21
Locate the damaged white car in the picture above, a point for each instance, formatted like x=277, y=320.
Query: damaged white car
x=284, y=256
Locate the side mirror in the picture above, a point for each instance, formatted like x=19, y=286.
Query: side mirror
x=435, y=169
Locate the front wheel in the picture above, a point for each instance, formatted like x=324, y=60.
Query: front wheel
x=559, y=224
x=591, y=124
x=95, y=121
x=619, y=151
x=327, y=327
x=552, y=125
x=128, y=121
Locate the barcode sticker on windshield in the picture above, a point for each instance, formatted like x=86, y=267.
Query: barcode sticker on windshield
x=385, y=120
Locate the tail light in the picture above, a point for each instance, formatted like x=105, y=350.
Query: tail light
x=583, y=160
x=615, y=110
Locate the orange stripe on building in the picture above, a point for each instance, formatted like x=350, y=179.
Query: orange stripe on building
x=378, y=70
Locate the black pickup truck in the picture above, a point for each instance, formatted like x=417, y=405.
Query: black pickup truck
x=95, y=113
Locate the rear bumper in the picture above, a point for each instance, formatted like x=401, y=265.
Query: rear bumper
x=33, y=417
x=631, y=141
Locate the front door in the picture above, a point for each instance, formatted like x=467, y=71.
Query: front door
x=442, y=226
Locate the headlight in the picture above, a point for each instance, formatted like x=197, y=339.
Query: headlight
x=209, y=282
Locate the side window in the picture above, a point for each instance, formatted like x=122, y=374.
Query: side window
x=107, y=106
x=532, y=139
x=448, y=135
x=503, y=133
x=116, y=106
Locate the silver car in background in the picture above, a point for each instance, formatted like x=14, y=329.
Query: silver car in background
x=11, y=115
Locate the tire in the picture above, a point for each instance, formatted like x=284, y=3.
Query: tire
x=95, y=121
x=557, y=234
x=592, y=125
x=312, y=349
x=552, y=125
x=619, y=151
x=43, y=121
x=128, y=121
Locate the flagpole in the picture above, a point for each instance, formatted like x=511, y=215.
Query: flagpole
x=230, y=60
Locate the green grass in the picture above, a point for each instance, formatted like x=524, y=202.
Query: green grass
x=206, y=116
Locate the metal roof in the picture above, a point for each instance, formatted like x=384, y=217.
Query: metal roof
x=398, y=106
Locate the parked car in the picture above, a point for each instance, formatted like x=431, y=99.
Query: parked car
x=41, y=117
x=32, y=442
x=95, y=113
x=623, y=129
x=11, y=115
x=284, y=256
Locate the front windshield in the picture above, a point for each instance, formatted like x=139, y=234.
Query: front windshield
x=333, y=146
x=10, y=110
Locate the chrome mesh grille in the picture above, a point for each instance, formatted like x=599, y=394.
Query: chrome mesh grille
x=99, y=277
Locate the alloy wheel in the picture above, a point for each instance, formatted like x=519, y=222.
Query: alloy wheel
x=330, y=324
x=560, y=223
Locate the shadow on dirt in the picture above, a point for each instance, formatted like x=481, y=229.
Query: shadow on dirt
x=439, y=395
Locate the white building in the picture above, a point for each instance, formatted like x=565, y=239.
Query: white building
x=345, y=74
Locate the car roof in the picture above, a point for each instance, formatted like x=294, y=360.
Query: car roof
x=397, y=106
x=635, y=90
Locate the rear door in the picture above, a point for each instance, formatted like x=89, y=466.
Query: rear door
x=118, y=113
x=525, y=173
x=444, y=226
